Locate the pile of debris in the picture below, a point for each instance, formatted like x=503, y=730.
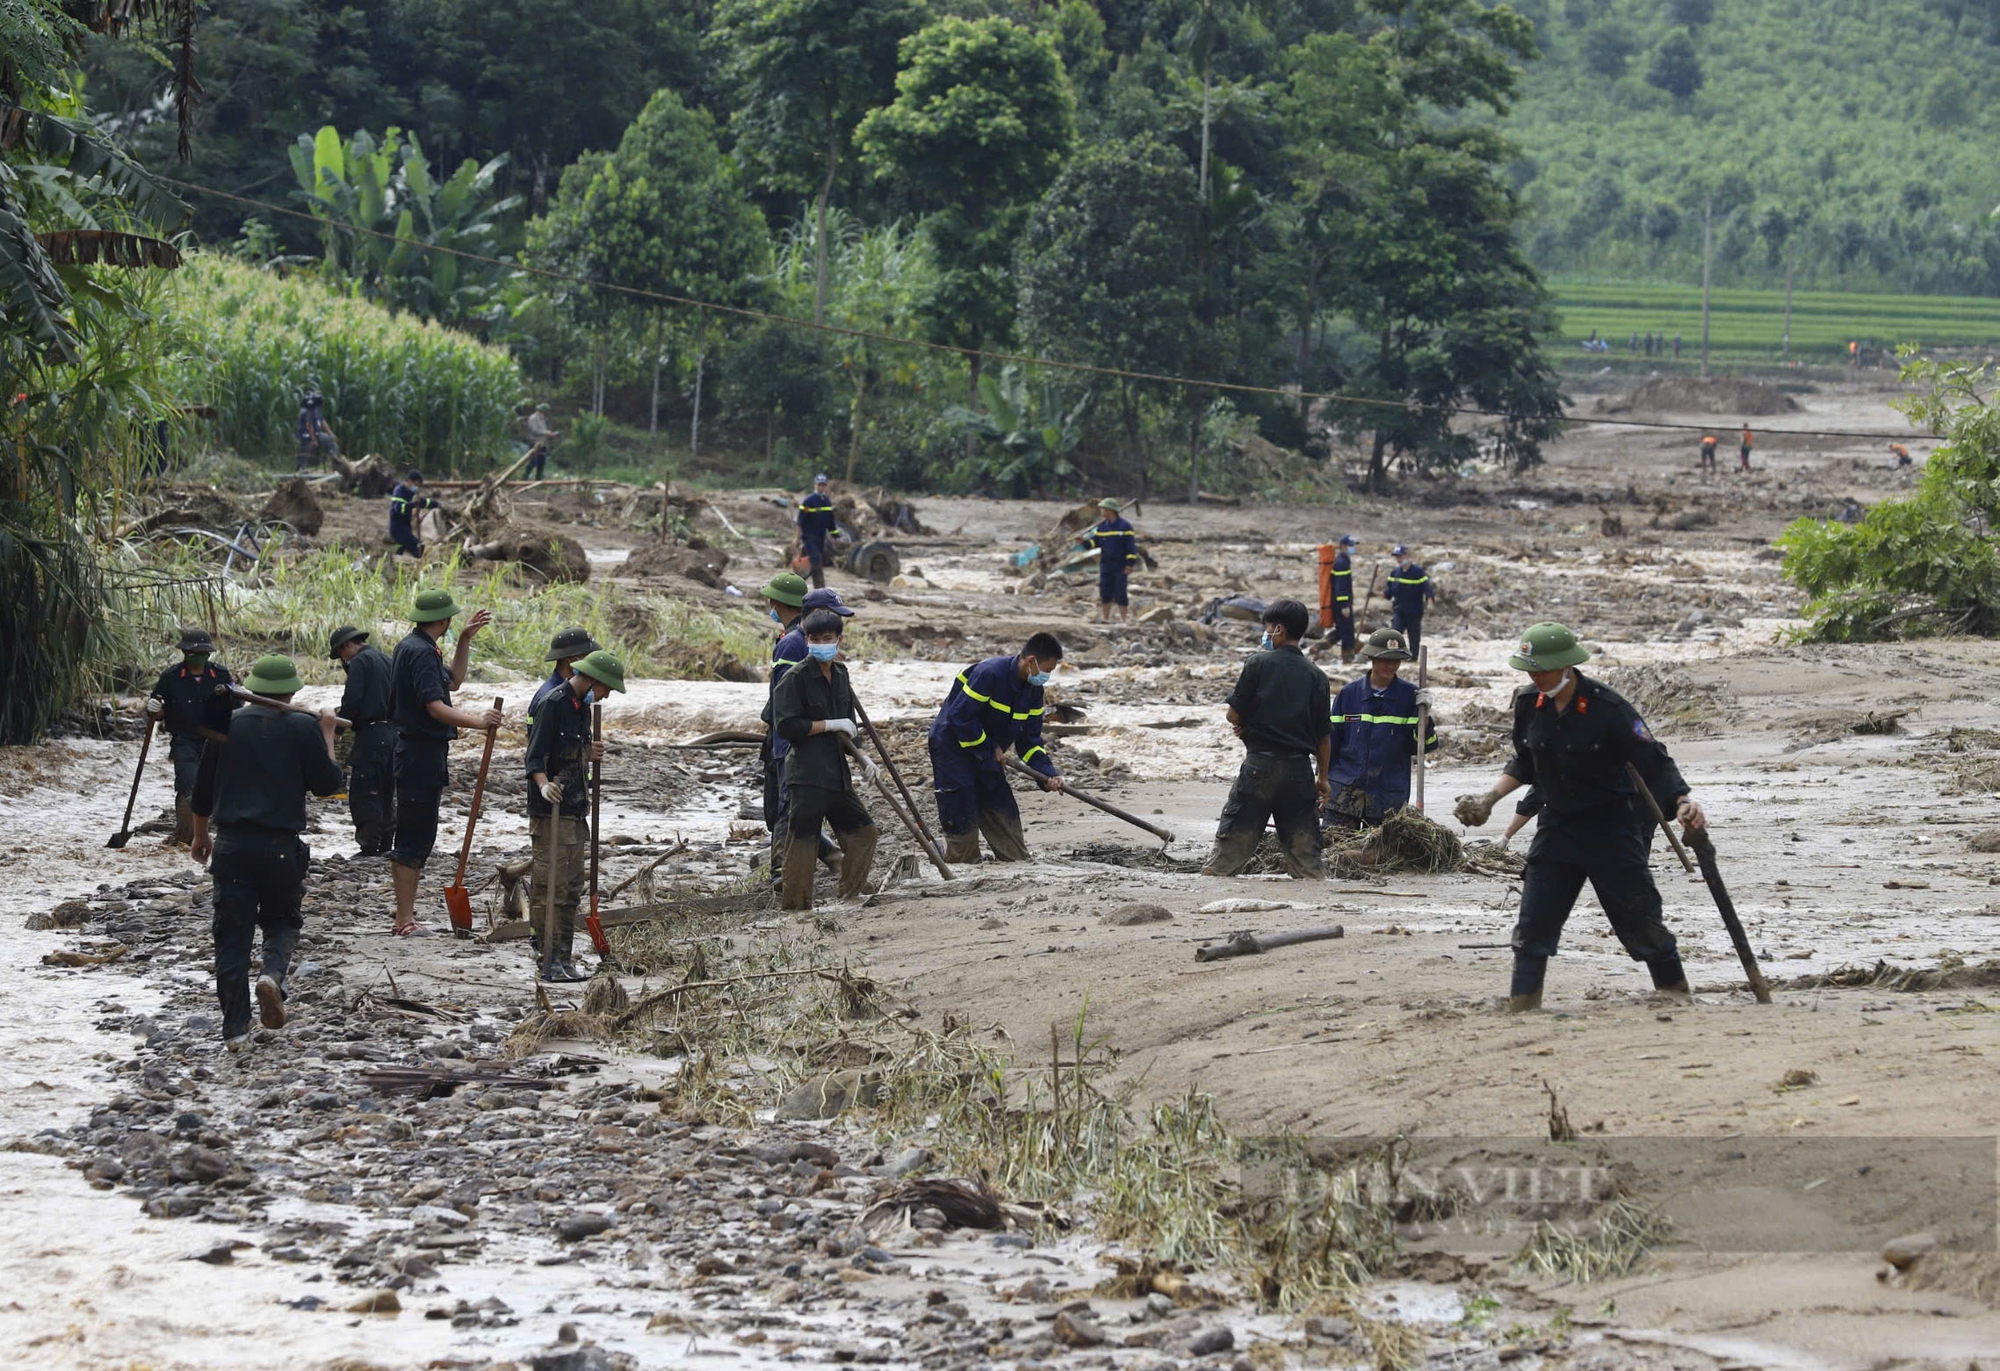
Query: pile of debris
x=1725, y=397
x=1406, y=842
x=703, y=565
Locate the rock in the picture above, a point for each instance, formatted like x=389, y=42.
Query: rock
x=1986, y=840
x=174, y=1206
x=294, y=503
x=1126, y=915
x=904, y=1163
x=1159, y=614
x=1210, y=1341
x=832, y=1095
x=1904, y=1252
x=1077, y=1329
x=580, y=1226
x=68, y=914
x=545, y=551
x=587, y=1358
x=1332, y=1328
x=381, y=1302
x=437, y=1213
x=704, y=566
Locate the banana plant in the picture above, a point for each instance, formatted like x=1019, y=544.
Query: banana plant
x=1033, y=425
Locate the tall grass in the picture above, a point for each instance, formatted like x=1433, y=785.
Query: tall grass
x=415, y=392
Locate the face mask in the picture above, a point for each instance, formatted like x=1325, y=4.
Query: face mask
x=774, y=616
x=823, y=652
x=197, y=660
x=1038, y=678
x=1265, y=643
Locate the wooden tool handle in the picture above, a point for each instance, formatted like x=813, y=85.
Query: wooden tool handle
x=1113, y=810
x=478, y=794
x=1653, y=806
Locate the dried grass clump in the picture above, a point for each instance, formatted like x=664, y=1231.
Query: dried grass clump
x=1406, y=842
x=1618, y=1239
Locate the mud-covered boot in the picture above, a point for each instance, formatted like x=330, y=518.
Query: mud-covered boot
x=857, y=858
x=1302, y=856
x=961, y=849
x=1525, y=994
x=796, y=890
x=183, y=835
x=1232, y=853
x=1003, y=835
x=1670, y=978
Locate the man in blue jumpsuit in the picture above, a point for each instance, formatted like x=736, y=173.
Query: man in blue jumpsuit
x=815, y=523
x=1343, y=596
x=992, y=706
x=790, y=651
x=1374, y=737
x=1117, y=544
x=406, y=502
x=1409, y=591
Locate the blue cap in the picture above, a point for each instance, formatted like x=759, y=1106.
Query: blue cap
x=1349, y=540
x=1398, y=550
x=820, y=479
x=826, y=598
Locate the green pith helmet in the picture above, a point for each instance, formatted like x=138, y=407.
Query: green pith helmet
x=433, y=605
x=571, y=642
x=1108, y=503
x=1387, y=643
x=273, y=675
x=787, y=588
x=1547, y=647
x=602, y=667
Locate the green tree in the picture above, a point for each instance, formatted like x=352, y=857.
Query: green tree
x=1033, y=426
x=1947, y=100
x=982, y=121
x=1676, y=68
x=1690, y=14
x=1107, y=268
x=1607, y=49
x=808, y=71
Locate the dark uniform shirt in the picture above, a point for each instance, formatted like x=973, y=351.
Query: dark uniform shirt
x=404, y=501
x=1117, y=544
x=990, y=706
x=418, y=677
x=261, y=778
x=1282, y=700
x=802, y=697
x=195, y=699
x=789, y=651
x=547, y=688
x=366, y=698
x=559, y=748
x=1374, y=738
x=815, y=522
x=1576, y=759
x=1409, y=588
x=1343, y=583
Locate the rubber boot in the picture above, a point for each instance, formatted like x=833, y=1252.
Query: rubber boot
x=1232, y=853
x=183, y=835
x=1525, y=994
x=1003, y=835
x=1303, y=857
x=857, y=859
x=961, y=849
x=796, y=890
x=1669, y=977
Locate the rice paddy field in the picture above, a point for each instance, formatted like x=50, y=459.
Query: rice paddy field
x=1752, y=322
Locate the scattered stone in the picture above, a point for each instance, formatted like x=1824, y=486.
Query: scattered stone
x=1127, y=915
x=381, y=1302
x=832, y=1095
x=1078, y=1329
x=1904, y=1252
x=68, y=914
x=1986, y=840
x=580, y=1226
x=1211, y=1340
x=904, y=1163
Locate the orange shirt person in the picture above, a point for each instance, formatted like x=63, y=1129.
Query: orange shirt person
x=1744, y=444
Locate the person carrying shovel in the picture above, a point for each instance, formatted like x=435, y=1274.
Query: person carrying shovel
x=560, y=750
x=813, y=710
x=190, y=702
x=1573, y=739
x=253, y=793
x=992, y=706
x=371, y=788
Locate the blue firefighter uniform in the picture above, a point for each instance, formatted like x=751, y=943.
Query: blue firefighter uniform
x=1374, y=738
x=404, y=503
x=1343, y=600
x=988, y=710
x=1410, y=591
x=1117, y=544
x=815, y=524
x=788, y=652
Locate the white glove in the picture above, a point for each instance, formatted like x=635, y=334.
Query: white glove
x=841, y=726
x=872, y=772
x=552, y=791
x=155, y=706
x=1423, y=697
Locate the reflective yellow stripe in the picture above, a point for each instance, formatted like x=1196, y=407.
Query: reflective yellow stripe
x=1408, y=580
x=976, y=741
x=1025, y=756
x=967, y=687
x=1374, y=719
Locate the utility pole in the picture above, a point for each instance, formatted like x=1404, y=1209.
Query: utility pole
x=1707, y=243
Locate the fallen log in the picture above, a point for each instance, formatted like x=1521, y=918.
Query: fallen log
x=1253, y=944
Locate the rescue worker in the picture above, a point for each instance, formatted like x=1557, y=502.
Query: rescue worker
x=566, y=649
x=1117, y=544
x=250, y=808
x=191, y=705
x=1743, y=446
x=426, y=722
x=1707, y=460
x=1410, y=591
x=993, y=705
x=1279, y=709
x=1572, y=739
x=813, y=711
x=371, y=760
x=815, y=523
x=1526, y=808
x=407, y=502
x=788, y=652
x=1374, y=736
x=315, y=435
x=1900, y=453
x=1343, y=597
x=560, y=750
x=540, y=438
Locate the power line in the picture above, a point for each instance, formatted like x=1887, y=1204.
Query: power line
x=924, y=344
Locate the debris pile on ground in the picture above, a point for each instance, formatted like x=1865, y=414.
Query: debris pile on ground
x=368, y=478
x=1666, y=696
x=193, y=507
x=702, y=565
x=294, y=503
x=545, y=552
x=1725, y=398
x=1951, y=973
x=1405, y=842
x=872, y=516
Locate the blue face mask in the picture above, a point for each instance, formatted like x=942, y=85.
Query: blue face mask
x=1039, y=678
x=774, y=616
x=823, y=652
x=1265, y=644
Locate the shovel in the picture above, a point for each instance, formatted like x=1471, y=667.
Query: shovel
x=124, y=833
x=457, y=899
x=598, y=942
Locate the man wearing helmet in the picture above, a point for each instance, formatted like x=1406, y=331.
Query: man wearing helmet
x=1572, y=740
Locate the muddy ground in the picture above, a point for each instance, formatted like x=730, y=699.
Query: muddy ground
x=638, y=1199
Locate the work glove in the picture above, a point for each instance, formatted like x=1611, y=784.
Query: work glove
x=1423, y=697
x=1475, y=810
x=552, y=791
x=845, y=726
x=155, y=706
x=869, y=770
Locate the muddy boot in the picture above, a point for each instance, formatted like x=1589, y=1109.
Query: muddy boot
x=796, y=891
x=1003, y=835
x=961, y=849
x=183, y=834
x=856, y=859
x=1232, y=853
x=1302, y=857
x=1669, y=978
x=1525, y=994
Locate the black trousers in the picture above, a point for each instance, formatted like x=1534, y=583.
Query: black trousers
x=813, y=805
x=185, y=753
x=371, y=786
x=1275, y=787
x=1609, y=851
x=537, y=463
x=1343, y=626
x=1411, y=626
x=260, y=881
x=421, y=772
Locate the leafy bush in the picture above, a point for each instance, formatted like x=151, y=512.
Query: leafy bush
x=412, y=391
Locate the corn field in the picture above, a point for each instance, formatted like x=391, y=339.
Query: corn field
x=412, y=391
